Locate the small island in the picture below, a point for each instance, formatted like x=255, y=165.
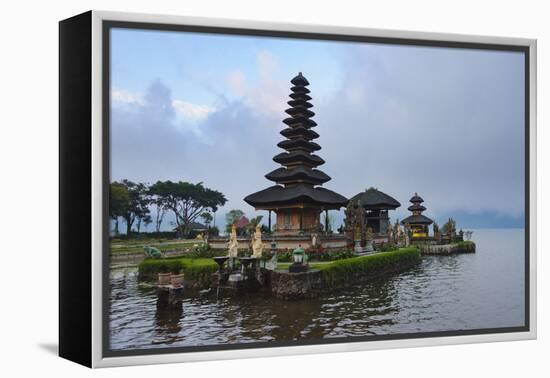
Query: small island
x=299, y=256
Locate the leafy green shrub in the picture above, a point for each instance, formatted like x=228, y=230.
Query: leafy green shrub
x=202, y=250
x=384, y=247
x=199, y=270
x=151, y=267
x=466, y=246
x=313, y=254
x=214, y=231
x=332, y=255
x=285, y=256
x=317, y=254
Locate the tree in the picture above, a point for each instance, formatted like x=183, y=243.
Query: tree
x=159, y=195
x=138, y=203
x=118, y=202
x=253, y=223
x=231, y=217
x=207, y=218
x=187, y=201
x=146, y=220
x=213, y=231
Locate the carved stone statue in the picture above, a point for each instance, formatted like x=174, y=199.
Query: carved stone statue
x=357, y=239
x=233, y=244
x=396, y=232
x=369, y=235
x=257, y=244
x=354, y=220
x=357, y=234
x=407, y=235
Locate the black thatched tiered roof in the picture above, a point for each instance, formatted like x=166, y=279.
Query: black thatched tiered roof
x=416, y=208
x=278, y=195
x=416, y=199
x=417, y=219
x=373, y=199
x=298, y=175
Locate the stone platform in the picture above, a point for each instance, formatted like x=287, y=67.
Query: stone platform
x=447, y=249
x=237, y=284
x=284, y=242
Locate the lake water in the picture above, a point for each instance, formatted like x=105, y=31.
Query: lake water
x=443, y=293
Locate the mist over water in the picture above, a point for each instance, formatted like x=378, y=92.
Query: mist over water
x=443, y=293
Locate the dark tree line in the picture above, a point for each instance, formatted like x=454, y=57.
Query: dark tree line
x=133, y=202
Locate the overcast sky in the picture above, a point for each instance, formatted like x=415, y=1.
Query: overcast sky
x=446, y=123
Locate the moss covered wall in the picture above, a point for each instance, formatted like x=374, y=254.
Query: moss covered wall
x=341, y=273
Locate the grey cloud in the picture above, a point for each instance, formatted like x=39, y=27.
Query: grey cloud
x=446, y=123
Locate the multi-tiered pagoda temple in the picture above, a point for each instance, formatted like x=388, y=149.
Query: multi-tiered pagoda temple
x=418, y=222
x=297, y=198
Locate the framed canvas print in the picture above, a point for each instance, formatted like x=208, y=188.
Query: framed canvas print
x=232, y=189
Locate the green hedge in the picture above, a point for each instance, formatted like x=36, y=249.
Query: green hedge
x=465, y=246
x=196, y=271
x=338, y=273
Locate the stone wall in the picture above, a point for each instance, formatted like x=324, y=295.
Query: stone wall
x=448, y=249
x=221, y=243
x=289, y=286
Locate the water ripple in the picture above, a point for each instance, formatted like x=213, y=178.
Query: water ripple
x=479, y=290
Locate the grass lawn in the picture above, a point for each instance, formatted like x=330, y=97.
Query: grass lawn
x=136, y=246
